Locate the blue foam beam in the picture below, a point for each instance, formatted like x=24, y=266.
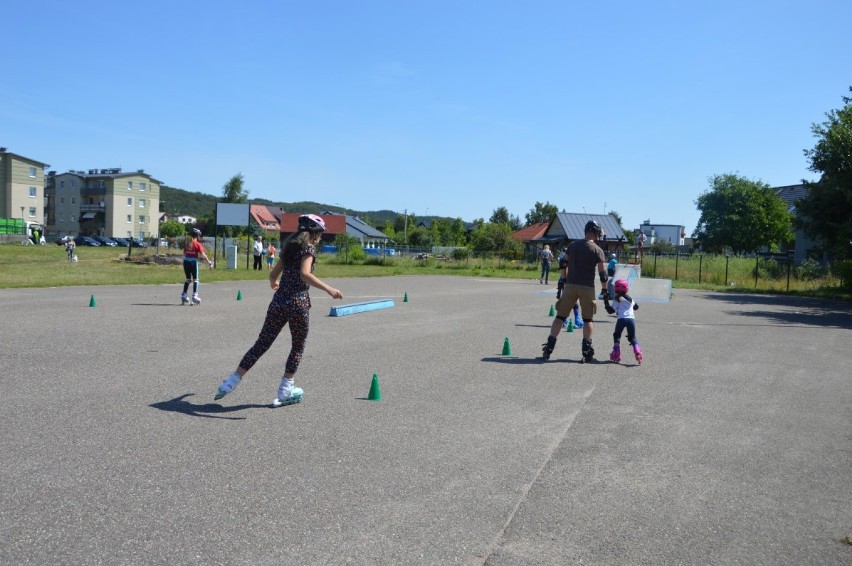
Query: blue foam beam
x=344, y=310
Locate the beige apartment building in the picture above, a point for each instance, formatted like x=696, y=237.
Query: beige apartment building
x=22, y=193
x=102, y=202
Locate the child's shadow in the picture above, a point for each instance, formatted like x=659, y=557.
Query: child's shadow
x=209, y=410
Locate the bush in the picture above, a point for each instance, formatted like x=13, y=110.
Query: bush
x=461, y=254
x=843, y=270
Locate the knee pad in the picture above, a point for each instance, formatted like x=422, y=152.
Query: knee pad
x=562, y=318
x=588, y=319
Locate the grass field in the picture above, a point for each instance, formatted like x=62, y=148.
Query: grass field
x=47, y=266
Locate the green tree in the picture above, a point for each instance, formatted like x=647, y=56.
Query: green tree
x=419, y=237
x=490, y=237
x=172, y=229
x=499, y=216
x=742, y=215
x=824, y=213
x=458, y=233
x=234, y=191
x=541, y=213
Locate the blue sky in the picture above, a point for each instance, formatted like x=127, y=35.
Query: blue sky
x=449, y=108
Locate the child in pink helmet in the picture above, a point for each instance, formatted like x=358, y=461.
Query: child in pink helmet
x=624, y=308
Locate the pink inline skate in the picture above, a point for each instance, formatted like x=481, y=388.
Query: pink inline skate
x=615, y=355
x=637, y=351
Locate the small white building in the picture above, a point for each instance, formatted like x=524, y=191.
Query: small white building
x=671, y=233
x=186, y=219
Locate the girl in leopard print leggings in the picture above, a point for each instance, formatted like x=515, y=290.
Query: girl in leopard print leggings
x=290, y=304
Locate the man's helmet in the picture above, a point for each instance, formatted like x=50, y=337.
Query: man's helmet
x=311, y=223
x=592, y=226
x=196, y=232
x=621, y=286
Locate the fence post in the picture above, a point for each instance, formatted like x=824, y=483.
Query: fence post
x=677, y=257
x=700, y=258
x=756, y=269
x=655, y=265
x=727, y=260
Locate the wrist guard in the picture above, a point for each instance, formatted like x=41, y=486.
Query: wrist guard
x=603, y=277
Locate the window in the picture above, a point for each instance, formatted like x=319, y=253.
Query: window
x=129, y=201
x=73, y=218
x=32, y=192
x=141, y=186
x=32, y=172
x=141, y=202
x=129, y=185
x=61, y=184
x=73, y=200
x=100, y=184
x=61, y=200
x=141, y=219
x=32, y=212
x=130, y=219
x=73, y=183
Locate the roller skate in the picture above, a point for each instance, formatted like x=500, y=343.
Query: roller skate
x=615, y=355
x=184, y=299
x=547, y=348
x=228, y=385
x=196, y=300
x=637, y=351
x=578, y=322
x=287, y=394
x=588, y=352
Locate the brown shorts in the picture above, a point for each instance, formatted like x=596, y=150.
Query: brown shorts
x=573, y=293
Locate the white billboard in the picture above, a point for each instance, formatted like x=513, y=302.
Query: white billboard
x=228, y=214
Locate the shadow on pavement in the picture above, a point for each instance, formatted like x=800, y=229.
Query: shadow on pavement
x=812, y=312
x=209, y=410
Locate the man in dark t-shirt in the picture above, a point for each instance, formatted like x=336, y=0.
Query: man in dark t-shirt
x=584, y=259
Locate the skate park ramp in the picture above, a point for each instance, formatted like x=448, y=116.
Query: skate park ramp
x=644, y=289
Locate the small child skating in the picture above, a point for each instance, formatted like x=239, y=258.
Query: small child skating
x=624, y=307
x=291, y=304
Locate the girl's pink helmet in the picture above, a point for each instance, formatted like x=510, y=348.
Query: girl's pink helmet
x=311, y=223
x=621, y=286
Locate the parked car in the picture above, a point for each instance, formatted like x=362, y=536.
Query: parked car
x=137, y=243
x=105, y=241
x=123, y=242
x=61, y=241
x=86, y=241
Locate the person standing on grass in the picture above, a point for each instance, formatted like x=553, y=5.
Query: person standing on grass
x=291, y=304
x=258, y=253
x=270, y=256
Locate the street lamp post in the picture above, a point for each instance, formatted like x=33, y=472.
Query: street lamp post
x=23, y=226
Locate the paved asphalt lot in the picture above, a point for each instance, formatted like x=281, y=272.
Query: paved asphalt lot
x=731, y=444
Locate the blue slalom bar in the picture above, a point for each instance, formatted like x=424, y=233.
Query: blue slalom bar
x=344, y=310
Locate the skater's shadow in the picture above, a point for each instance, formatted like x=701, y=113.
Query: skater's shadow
x=210, y=410
x=155, y=304
x=514, y=361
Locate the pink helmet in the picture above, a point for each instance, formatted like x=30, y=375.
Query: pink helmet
x=621, y=286
x=311, y=223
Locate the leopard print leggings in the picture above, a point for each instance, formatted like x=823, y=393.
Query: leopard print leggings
x=294, y=310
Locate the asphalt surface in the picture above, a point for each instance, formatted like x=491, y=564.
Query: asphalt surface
x=730, y=444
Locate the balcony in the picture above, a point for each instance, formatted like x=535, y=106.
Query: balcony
x=92, y=208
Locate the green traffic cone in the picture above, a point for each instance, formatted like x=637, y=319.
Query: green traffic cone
x=570, y=325
x=375, y=389
x=507, y=349
x=239, y=295
x=552, y=311
x=92, y=301
x=405, y=298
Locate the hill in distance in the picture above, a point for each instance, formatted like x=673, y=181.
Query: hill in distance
x=178, y=202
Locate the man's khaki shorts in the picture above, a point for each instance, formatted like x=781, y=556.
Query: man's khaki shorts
x=570, y=296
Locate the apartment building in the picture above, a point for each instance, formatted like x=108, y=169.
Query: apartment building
x=102, y=202
x=22, y=193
